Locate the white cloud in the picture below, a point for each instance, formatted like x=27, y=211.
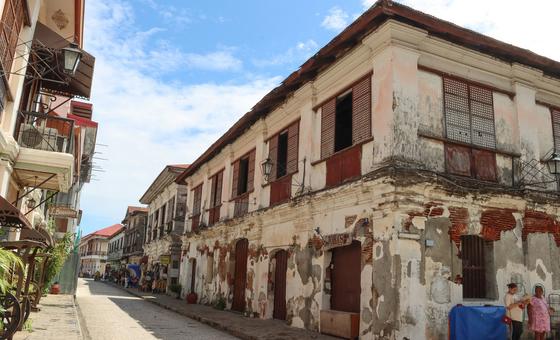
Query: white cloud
x=297, y=54
x=506, y=20
x=368, y=3
x=219, y=61
x=145, y=121
x=336, y=20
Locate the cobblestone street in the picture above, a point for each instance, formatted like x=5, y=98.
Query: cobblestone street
x=110, y=313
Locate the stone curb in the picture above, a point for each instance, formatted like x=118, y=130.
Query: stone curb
x=219, y=326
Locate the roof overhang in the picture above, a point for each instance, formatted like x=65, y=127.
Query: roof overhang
x=162, y=181
x=11, y=216
x=369, y=21
x=48, y=42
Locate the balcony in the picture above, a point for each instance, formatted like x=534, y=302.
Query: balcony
x=96, y=252
x=46, y=145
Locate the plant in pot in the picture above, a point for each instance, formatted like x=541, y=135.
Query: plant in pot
x=220, y=303
x=192, y=298
x=176, y=290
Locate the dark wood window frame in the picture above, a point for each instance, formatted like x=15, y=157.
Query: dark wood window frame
x=344, y=164
x=241, y=200
x=478, y=267
x=197, y=207
x=555, y=120
x=281, y=182
x=216, y=187
x=470, y=129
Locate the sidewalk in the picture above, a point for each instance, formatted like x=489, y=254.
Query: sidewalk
x=58, y=319
x=234, y=324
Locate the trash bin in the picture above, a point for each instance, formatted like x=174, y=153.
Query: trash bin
x=477, y=322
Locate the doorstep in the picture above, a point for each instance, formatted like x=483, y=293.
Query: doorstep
x=229, y=322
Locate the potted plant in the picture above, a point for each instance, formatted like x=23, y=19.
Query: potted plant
x=192, y=298
x=176, y=290
x=55, y=288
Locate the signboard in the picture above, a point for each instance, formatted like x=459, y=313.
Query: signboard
x=165, y=259
x=62, y=211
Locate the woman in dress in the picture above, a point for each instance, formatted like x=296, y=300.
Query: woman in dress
x=539, y=314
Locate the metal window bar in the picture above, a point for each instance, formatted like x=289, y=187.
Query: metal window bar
x=554, y=302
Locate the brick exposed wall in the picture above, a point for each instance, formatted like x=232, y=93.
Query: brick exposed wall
x=494, y=221
x=540, y=222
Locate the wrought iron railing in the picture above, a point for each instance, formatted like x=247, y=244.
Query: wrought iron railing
x=97, y=252
x=45, y=132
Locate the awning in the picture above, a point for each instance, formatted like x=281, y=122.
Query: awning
x=39, y=235
x=11, y=217
x=80, y=83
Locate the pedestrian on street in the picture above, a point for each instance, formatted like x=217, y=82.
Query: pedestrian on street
x=514, y=311
x=539, y=314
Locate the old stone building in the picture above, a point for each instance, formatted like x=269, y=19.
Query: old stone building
x=135, y=227
x=166, y=201
x=400, y=171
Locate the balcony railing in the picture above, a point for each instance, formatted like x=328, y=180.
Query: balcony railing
x=44, y=132
x=96, y=252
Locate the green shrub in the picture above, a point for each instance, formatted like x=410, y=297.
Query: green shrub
x=175, y=288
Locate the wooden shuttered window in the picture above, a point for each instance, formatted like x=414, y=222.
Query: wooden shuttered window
x=283, y=151
x=243, y=179
x=215, y=197
x=360, y=120
x=243, y=182
x=289, y=164
x=556, y=128
x=197, y=202
x=13, y=18
x=469, y=113
x=469, y=120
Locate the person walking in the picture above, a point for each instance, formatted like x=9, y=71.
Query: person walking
x=514, y=311
x=539, y=314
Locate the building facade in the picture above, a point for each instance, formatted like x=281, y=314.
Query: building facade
x=135, y=227
x=47, y=136
x=94, y=248
x=166, y=201
x=115, y=250
x=400, y=171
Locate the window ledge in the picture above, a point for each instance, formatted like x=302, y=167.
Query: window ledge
x=278, y=179
x=427, y=135
x=342, y=151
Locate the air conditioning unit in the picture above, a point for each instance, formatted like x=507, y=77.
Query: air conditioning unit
x=41, y=138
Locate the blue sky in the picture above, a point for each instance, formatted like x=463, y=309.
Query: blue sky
x=171, y=76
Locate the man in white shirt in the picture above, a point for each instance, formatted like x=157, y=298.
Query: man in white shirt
x=514, y=308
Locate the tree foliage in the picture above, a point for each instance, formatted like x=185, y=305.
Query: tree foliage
x=59, y=252
x=8, y=261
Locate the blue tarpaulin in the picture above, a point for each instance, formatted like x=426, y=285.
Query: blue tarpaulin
x=477, y=322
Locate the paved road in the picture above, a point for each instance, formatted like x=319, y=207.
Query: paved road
x=112, y=314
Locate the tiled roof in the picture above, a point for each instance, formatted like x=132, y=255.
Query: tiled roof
x=108, y=231
x=379, y=13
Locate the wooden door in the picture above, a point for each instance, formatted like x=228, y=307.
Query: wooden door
x=193, y=275
x=240, y=275
x=346, y=276
x=280, y=285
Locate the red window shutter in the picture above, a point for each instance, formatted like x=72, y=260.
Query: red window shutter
x=251, y=172
x=273, y=155
x=458, y=159
x=361, y=111
x=556, y=129
x=197, y=198
x=235, y=178
x=12, y=21
x=218, y=194
x=328, y=113
x=484, y=165
x=293, y=145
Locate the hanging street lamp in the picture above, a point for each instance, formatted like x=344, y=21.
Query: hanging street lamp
x=266, y=168
x=72, y=56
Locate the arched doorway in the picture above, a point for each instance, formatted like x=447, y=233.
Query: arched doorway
x=281, y=258
x=240, y=275
x=346, y=277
